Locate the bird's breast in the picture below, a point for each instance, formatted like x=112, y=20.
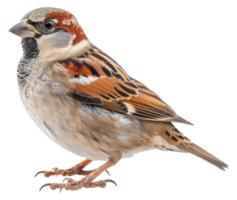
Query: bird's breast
x=85, y=130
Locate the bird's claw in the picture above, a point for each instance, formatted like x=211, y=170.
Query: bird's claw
x=76, y=169
x=76, y=185
x=53, y=172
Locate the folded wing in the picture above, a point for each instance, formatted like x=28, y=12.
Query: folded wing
x=98, y=80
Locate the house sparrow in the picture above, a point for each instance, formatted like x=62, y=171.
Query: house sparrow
x=85, y=102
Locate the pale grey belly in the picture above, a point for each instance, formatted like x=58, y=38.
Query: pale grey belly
x=55, y=124
x=89, y=132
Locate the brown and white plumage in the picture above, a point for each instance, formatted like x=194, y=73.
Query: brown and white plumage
x=84, y=101
x=106, y=84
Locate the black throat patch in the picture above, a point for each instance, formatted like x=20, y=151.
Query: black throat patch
x=30, y=47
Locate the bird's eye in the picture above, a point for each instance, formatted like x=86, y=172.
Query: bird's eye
x=49, y=25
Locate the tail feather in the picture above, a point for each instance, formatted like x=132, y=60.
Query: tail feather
x=175, y=138
x=198, y=151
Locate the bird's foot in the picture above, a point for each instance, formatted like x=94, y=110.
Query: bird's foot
x=76, y=185
x=77, y=169
x=88, y=181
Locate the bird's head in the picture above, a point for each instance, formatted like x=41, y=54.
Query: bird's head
x=56, y=33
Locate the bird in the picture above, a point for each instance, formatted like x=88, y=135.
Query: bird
x=84, y=101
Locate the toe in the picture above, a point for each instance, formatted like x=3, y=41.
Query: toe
x=47, y=173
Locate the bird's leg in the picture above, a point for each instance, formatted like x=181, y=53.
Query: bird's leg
x=86, y=182
x=77, y=169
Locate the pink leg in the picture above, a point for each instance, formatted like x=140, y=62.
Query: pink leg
x=86, y=182
x=76, y=169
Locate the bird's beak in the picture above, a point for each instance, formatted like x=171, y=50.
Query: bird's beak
x=24, y=30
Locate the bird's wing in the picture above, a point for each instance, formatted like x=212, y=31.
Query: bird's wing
x=98, y=80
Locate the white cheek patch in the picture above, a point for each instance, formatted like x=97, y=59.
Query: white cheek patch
x=82, y=80
x=51, y=53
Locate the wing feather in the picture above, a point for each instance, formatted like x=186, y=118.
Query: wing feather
x=98, y=80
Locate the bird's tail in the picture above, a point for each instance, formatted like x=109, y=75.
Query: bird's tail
x=176, y=141
x=201, y=153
